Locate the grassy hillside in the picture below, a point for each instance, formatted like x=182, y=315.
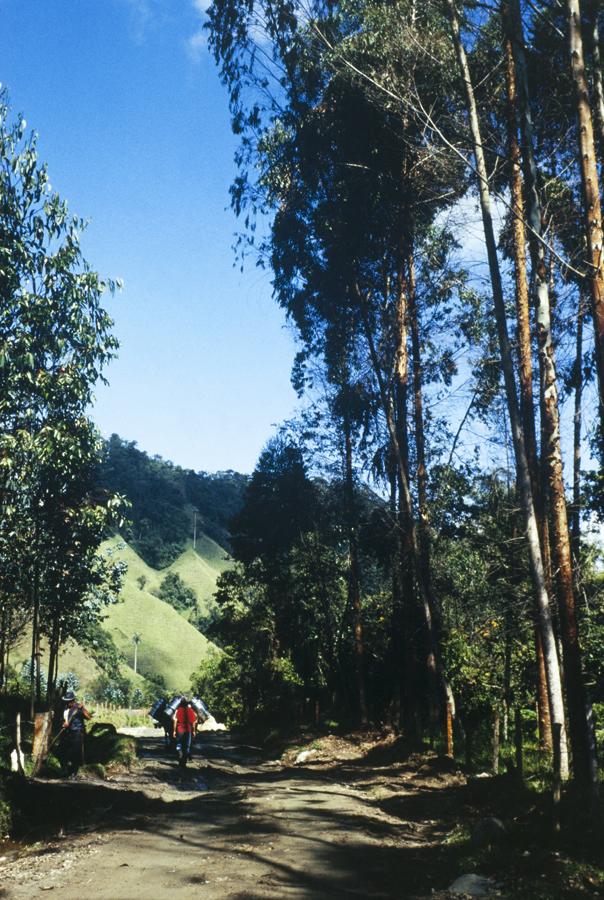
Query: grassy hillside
x=200, y=569
x=211, y=552
x=72, y=658
x=169, y=645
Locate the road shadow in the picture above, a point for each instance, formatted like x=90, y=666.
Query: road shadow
x=395, y=836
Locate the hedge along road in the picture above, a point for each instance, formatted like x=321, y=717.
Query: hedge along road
x=350, y=819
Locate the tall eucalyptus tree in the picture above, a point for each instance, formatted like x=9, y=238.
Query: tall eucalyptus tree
x=522, y=466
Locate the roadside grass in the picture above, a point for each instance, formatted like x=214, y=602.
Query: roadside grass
x=105, y=751
x=532, y=861
x=120, y=718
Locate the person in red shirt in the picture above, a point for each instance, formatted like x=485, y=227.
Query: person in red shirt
x=185, y=721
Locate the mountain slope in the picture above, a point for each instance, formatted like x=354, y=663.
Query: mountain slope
x=200, y=572
x=169, y=646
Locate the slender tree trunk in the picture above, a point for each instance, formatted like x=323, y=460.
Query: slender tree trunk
x=507, y=677
x=520, y=269
x=522, y=467
x=396, y=644
x=418, y=412
x=543, y=713
x=3, y=645
x=518, y=754
x=35, y=649
x=53, y=664
x=422, y=487
x=50, y=687
x=406, y=502
x=578, y=379
x=401, y=363
x=496, y=745
x=524, y=346
x=450, y=715
x=551, y=449
x=409, y=625
x=55, y=670
x=354, y=592
x=7, y=647
x=38, y=667
x=596, y=61
x=591, y=193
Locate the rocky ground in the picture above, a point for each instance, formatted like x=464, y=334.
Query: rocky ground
x=332, y=817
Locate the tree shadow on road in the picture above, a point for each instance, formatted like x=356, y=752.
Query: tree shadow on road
x=371, y=827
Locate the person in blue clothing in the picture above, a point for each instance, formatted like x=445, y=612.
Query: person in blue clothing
x=73, y=734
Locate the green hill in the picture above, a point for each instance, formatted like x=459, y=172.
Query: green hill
x=72, y=658
x=169, y=645
x=201, y=571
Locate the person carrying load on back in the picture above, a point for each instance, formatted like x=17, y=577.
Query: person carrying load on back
x=203, y=713
x=72, y=735
x=162, y=719
x=185, y=721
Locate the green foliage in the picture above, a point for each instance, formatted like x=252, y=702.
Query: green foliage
x=219, y=681
x=102, y=648
x=174, y=591
x=55, y=340
x=70, y=680
x=282, y=612
x=112, y=691
x=485, y=589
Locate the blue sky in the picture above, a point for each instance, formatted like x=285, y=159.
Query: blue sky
x=134, y=125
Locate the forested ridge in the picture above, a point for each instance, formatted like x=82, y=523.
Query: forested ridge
x=166, y=503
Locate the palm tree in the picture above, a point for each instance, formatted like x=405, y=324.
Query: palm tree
x=136, y=639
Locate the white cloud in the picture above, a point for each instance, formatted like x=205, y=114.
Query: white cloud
x=148, y=14
x=196, y=45
x=141, y=14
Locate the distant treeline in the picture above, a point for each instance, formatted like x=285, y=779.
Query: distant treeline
x=164, y=499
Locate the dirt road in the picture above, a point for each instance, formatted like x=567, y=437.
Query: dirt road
x=352, y=823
